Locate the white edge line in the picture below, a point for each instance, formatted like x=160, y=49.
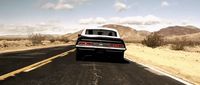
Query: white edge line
x=164, y=73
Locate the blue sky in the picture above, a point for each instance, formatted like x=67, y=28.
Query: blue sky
x=63, y=16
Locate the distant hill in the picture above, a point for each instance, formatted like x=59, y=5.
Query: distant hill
x=72, y=36
x=144, y=32
x=178, y=30
x=130, y=34
x=126, y=33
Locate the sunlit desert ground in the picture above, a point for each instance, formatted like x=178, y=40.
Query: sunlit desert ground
x=20, y=45
x=183, y=64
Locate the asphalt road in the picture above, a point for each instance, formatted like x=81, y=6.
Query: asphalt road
x=66, y=70
x=15, y=60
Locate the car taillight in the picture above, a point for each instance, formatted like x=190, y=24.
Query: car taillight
x=85, y=43
x=117, y=45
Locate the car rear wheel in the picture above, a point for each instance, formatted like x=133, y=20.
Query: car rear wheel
x=121, y=55
x=78, y=55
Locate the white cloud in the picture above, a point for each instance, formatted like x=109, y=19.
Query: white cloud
x=115, y=19
x=150, y=19
x=120, y=6
x=48, y=5
x=140, y=20
x=149, y=22
x=164, y=3
x=49, y=27
x=97, y=20
x=135, y=20
x=132, y=20
x=100, y=20
x=63, y=4
x=86, y=21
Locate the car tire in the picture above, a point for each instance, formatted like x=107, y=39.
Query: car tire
x=78, y=55
x=120, y=55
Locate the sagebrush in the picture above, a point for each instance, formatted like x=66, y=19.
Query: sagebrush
x=180, y=44
x=36, y=38
x=153, y=40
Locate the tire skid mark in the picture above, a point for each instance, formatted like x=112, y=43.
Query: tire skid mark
x=96, y=76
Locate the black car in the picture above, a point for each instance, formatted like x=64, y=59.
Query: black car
x=100, y=40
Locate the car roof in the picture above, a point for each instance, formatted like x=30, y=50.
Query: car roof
x=104, y=28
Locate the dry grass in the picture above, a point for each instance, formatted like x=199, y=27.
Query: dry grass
x=20, y=43
x=176, y=43
x=23, y=45
x=192, y=49
x=31, y=41
x=182, y=43
x=183, y=64
x=190, y=37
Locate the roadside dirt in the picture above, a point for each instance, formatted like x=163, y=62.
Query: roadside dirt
x=182, y=64
x=24, y=48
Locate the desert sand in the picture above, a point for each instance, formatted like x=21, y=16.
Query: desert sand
x=182, y=64
x=22, y=45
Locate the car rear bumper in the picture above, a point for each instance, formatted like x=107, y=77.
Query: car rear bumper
x=82, y=51
x=94, y=48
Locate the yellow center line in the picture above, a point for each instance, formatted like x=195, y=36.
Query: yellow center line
x=40, y=65
x=34, y=66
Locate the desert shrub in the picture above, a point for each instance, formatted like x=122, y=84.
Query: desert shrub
x=64, y=39
x=179, y=44
x=36, y=38
x=153, y=40
x=190, y=43
x=54, y=39
x=4, y=44
x=50, y=38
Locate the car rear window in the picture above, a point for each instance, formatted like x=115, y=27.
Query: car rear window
x=100, y=32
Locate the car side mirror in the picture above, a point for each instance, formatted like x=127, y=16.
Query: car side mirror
x=79, y=35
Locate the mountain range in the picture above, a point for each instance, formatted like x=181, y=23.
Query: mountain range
x=130, y=34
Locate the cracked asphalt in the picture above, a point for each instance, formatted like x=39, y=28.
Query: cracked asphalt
x=92, y=70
